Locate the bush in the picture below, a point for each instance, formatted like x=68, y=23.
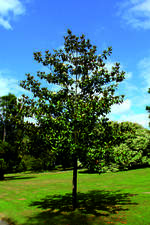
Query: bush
x=134, y=152
x=30, y=163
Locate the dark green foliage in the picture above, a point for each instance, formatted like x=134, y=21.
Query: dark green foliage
x=37, y=145
x=9, y=157
x=64, y=158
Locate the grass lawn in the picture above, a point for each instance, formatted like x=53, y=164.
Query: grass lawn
x=46, y=198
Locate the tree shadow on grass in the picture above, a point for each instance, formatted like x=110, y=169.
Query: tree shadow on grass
x=92, y=206
x=87, y=171
x=6, y=178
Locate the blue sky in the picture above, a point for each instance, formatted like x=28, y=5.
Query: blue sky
x=27, y=26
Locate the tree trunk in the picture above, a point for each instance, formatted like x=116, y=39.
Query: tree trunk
x=74, y=190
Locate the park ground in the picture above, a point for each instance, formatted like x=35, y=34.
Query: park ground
x=46, y=198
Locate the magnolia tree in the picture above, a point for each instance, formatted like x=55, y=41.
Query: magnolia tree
x=86, y=95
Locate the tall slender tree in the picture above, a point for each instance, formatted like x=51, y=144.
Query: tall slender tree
x=69, y=115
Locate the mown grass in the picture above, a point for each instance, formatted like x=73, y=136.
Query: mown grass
x=45, y=198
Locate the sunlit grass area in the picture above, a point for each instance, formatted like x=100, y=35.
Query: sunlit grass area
x=46, y=198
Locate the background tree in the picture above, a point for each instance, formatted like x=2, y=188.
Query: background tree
x=11, y=122
x=128, y=148
x=38, y=155
x=148, y=107
x=69, y=116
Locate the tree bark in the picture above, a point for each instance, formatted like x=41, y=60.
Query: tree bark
x=74, y=190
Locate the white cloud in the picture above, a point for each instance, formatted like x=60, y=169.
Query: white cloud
x=8, y=9
x=5, y=24
x=136, y=13
x=138, y=95
x=121, y=108
x=109, y=65
x=137, y=91
x=141, y=119
x=30, y=120
x=129, y=75
x=144, y=67
x=10, y=85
